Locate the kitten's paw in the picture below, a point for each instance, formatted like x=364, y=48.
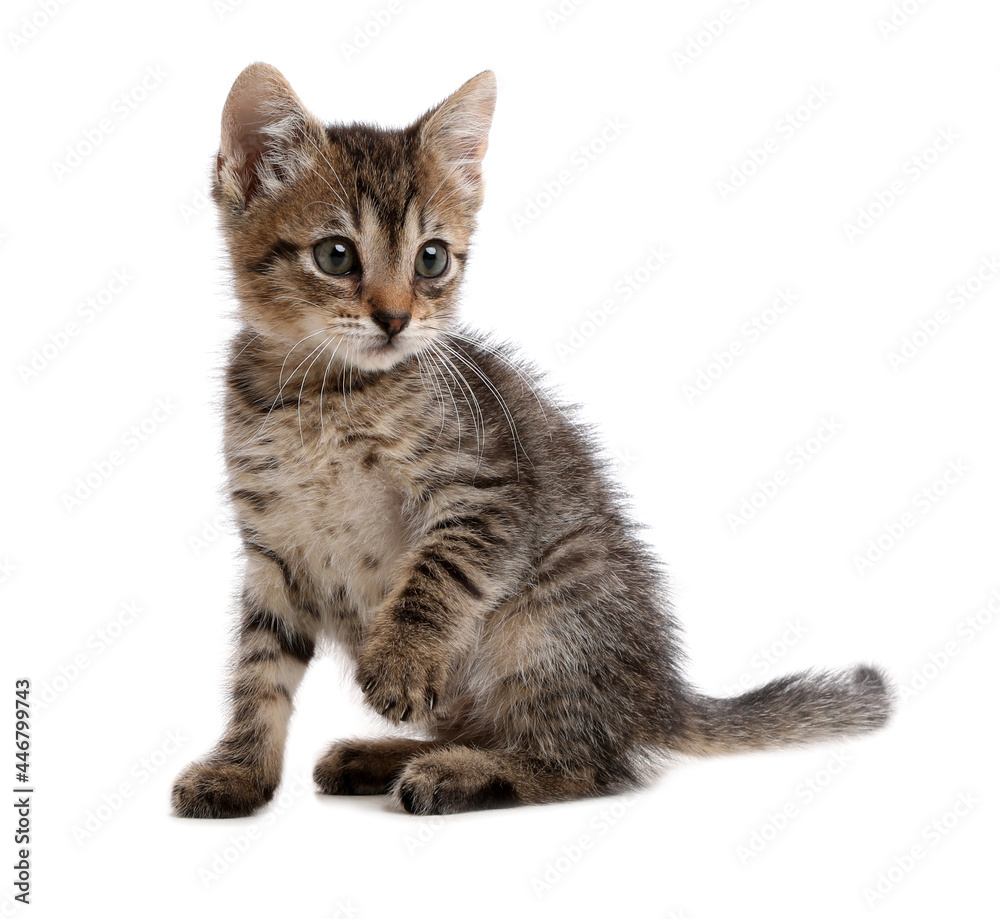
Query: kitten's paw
x=436, y=784
x=219, y=789
x=401, y=683
x=352, y=768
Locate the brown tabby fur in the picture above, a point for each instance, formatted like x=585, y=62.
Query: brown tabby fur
x=419, y=499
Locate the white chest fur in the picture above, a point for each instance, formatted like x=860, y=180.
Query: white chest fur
x=335, y=516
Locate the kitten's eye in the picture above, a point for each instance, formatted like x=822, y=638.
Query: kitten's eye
x=335, y=255
x=432, y=259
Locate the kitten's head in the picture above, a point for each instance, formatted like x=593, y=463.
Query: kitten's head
x=349, y=235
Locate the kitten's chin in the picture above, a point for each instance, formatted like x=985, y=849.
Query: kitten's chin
x=380, y=357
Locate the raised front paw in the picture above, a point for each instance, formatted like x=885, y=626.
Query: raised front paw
x=400, y=681
x=215, y=788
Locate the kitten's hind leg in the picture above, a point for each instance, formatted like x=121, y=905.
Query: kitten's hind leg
x=276, y=642
x=366, y=767
x=458, y=778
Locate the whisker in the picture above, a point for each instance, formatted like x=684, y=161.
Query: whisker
x=471, y=364
x=500, y=356
x=436, y=397
x=478, y=418
x=330, y=165
x=305, y=376
x=344, y=384
x=454, y=168
x=322, y=426
x=438, y=359
x=455, y=191
x=281, y=372
x=247, y=345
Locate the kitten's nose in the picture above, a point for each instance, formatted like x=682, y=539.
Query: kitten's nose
x=391, y=323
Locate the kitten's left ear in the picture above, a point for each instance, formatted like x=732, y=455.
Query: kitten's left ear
x=264, y=127
x=457, y=130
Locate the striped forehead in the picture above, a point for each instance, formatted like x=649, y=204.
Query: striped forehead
x=387, y=247
x=376, y=171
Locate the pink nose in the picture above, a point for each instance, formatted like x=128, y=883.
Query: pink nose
x=391, y=323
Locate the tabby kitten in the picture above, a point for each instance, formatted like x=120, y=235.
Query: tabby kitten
x=404, y=488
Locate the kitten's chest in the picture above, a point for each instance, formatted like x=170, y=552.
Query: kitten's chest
x=336, y=513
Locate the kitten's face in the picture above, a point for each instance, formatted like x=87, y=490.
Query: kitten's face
x=349, y=242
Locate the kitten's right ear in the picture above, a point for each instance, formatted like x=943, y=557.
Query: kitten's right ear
x=457, y=131
x=264, y=126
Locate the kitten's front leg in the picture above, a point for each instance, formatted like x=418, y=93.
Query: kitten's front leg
x=466, y=562
x=276, y=643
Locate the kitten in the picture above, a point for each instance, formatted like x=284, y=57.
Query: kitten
x=406, y=489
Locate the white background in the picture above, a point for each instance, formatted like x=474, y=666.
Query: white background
x=136, y=696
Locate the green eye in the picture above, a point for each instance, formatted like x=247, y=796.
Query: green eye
x=335, y=255
x=432, y=259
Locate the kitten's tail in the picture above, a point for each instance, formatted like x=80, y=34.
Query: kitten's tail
x=799, y=709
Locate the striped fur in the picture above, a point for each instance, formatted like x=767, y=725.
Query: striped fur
x=415, y=496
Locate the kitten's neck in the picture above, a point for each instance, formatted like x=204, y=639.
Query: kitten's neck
x=309, y=369
x=394, y=409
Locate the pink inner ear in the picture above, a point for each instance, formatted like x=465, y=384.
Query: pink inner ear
x=242, y=121
x=259, y=99
x=459, y=127
x=252, y=142
x=241, y=150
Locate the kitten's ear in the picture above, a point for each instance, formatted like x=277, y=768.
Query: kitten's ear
x=457, y=130
x=264, y=126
